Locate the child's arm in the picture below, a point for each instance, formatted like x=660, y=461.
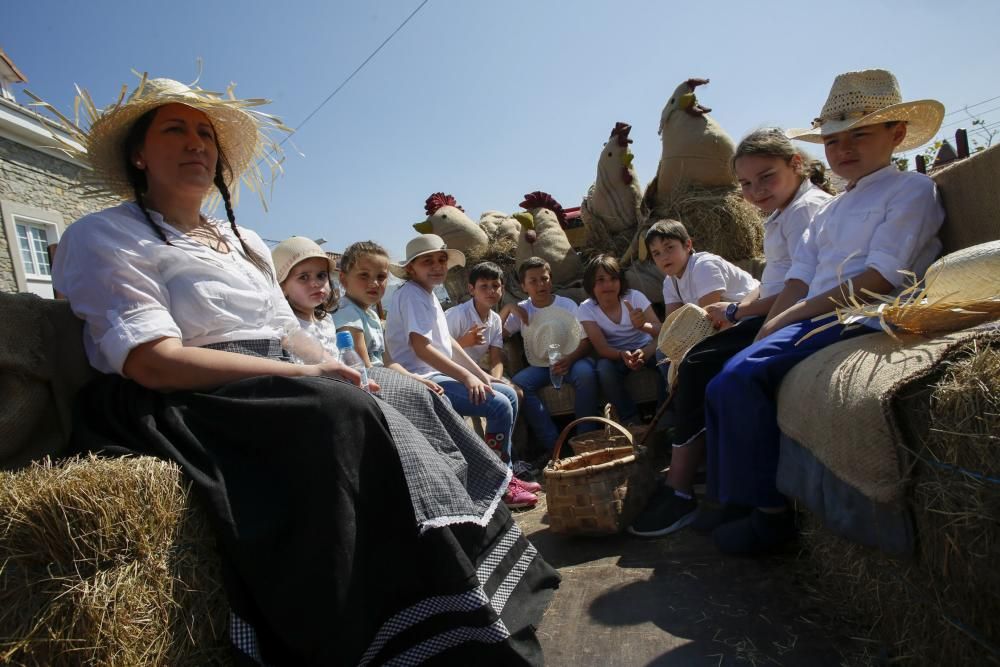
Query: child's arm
x=359, y=344
x=478, y=384
x=600, y=343
x=512, y=309
x=582, y=350
x=496, y=362
x=430, y=384
x=643, y=320
x=821, y=304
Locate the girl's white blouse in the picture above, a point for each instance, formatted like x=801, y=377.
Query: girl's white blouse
x=130, y=287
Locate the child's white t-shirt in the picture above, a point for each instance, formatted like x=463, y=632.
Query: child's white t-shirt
x=415, y=310
x=461, y=317
x=513, y=323
x=706, y=273
x=783, y=233
x=324, y=331
x=620, y=335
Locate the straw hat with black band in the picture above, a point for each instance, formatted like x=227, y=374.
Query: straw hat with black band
x=869, y=97
x=243, y=134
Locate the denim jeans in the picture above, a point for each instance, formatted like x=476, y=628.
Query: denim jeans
x=500, y=409
x=584, y=380
x=612, y=373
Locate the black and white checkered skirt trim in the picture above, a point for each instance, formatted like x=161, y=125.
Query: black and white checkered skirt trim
x=258, y=347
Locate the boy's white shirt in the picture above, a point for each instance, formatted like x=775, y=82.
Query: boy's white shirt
x=461, y=317
x=783, y=233
x=415, y=310
x=706, y=273
x=620, y=335
x=513, y=323
x=888, y=222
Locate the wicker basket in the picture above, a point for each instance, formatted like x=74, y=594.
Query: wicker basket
x=599, y=492
x=611, y=436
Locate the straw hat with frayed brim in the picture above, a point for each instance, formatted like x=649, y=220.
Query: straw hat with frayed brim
x=242, y=133
x=683, y=329
x=425, y=244
x=958, y=291
x=547, y=326
x=296, y=249
x=870, y=97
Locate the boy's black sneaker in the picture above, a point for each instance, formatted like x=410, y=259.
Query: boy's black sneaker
x=666, y=513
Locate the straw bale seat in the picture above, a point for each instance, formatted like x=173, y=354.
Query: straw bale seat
x=892, y=452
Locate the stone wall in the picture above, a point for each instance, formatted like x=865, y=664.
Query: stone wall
x=32, y=178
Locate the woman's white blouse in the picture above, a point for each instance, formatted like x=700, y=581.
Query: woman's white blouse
x=130, y=287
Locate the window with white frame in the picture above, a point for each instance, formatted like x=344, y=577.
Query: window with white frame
x=33, y=240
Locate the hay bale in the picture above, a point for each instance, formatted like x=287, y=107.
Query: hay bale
x=942, y=607
x=718, y=219
x=107, y=562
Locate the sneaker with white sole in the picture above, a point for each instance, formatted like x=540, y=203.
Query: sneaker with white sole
x=517, y=496
x=665, y=514
x=530, y=487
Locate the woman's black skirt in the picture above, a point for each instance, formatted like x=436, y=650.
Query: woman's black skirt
x=349, y=534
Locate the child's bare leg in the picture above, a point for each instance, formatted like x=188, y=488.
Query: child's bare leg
x=684, y=462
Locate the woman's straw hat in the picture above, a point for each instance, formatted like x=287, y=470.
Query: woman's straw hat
x=547, y=326
x=683, y=329
x=869, y=97
x=959, y=290
x=422, y=245
x=242, y=133
x=293, y=250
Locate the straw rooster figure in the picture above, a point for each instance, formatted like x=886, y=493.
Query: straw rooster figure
x=448, y=220
x=613, y=202
x=542, y=235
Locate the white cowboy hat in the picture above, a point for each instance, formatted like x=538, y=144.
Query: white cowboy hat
x=293, y=250
x=681, y=330
x=422, y=245
x=869, y=97
x=242, y=133
x=547, y=326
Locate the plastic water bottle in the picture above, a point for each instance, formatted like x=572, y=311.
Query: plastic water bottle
x=350, y=357
x=555, y=354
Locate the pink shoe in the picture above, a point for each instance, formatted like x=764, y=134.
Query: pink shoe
x=517, y=496
x=530, y=487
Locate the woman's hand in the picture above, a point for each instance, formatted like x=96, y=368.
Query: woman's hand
x=716, y=313
x=479, y=391
x=430, y=384
x=335, y=369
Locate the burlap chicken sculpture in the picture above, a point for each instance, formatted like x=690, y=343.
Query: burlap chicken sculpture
x=448, y=220
x=611, y=208
x=543, y=236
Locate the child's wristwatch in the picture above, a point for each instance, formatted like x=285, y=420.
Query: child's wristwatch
x=731, y=312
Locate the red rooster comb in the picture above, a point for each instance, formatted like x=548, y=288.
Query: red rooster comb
x=439, y=199
x=539, y=199
x=621, y=133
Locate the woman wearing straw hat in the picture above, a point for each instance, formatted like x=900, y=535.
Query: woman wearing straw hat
x=335, y=517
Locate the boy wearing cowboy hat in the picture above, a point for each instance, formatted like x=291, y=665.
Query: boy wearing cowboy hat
x=863, y=240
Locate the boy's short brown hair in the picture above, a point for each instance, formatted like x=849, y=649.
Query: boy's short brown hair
x=610, y=266
x=529, y=264
x=485, y=271
x=666, y=230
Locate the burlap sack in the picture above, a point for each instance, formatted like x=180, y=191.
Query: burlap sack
x=42, y=366
x=972, y=199
x=551, y=245
x=696, y=150
x=490, y=221
x=645, y=277
x=838, y=404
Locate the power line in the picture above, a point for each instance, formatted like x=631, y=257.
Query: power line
x=969, y=106
x=356, y=70
x=972, y=117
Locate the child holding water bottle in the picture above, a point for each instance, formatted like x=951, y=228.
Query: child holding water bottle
x=574, y=366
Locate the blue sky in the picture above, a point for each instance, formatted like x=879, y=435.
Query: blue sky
x=491, y=100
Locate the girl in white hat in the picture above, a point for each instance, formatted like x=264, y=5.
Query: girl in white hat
x=331, y=509
x=418, y=338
